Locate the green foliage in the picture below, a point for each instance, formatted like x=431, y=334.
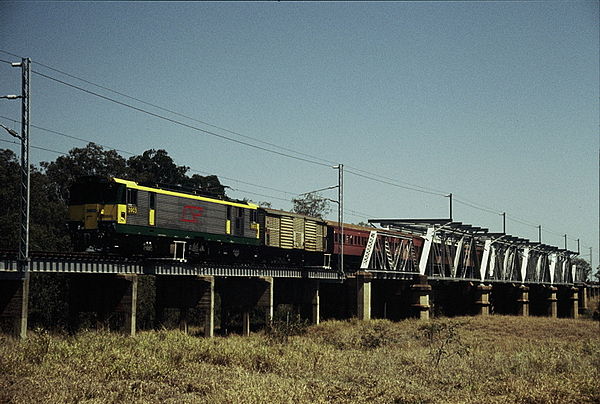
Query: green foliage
x=156, y=166
x=311, y=204
x=9, y=202
x=82, y=161
x=583, y=268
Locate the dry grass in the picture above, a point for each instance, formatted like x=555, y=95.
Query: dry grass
x=481, y=360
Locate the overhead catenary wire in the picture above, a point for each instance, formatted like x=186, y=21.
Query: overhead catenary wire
x=34, y=147
x=207, y=132
x=133, y=154
x=413, y=187
x=311, y=158
x=366, y=174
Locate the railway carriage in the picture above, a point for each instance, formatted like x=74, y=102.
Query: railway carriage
x=294, y=237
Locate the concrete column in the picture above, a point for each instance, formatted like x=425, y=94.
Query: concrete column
x=266, y=299
x=14, y=302
x=573, y=303
x=523, y=300
x=483, y=299
x=583, y=299
x=312, y=301
x=363, y=295
x=127, y=304
x=246, y=323
x=207, y=304
x=420, y=297
x=552, y=302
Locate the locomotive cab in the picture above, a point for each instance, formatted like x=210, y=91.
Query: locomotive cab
x=95, y=204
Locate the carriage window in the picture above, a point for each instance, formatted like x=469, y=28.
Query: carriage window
x=228, y=212
x=132, y=195
x=152, y=200
x=240, y=212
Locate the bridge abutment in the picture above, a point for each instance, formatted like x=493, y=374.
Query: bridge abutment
x=14, y=303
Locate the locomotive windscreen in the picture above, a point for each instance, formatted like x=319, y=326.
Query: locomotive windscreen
x=97, y=192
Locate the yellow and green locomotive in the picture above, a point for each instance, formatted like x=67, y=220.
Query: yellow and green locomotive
x=122, y=216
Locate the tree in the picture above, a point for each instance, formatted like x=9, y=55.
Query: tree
x=209, y=184
x=47, y=213
x=156, y=167
x=583, y=268
x=311, y=204
x=9, y=201
x=89, y=160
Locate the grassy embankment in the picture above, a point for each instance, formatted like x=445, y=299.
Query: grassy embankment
x=467, y=360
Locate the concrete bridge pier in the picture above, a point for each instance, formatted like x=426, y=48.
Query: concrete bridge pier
x=582, y=294
x=241, y=299
x=311, y=301
x=551, y=301
x=14, y=303
x=363, y=295
x=542, y=301
x=482, y=299
x=186, y=294
x=112, y=297
x=420, y=291
x=522, y=300
x=573, y=302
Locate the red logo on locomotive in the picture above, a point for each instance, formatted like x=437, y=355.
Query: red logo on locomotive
x=191, y=214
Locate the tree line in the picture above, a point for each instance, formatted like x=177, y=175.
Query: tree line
x=50, y=184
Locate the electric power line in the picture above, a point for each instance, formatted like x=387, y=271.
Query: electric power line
x=133, y=154
x=391, y=182
x=412, y=187
x=178, y=122
x=34, y=147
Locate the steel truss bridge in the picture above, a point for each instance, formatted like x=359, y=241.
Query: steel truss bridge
x=456, y=251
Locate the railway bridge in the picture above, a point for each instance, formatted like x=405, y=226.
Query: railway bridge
x=460, y=270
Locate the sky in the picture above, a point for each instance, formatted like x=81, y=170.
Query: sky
x=494, y=102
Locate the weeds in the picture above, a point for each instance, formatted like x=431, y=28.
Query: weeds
x=280, y=331
x=444, y=340
x=510, y=360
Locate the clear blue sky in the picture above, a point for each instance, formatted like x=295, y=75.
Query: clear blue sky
x=496, y=102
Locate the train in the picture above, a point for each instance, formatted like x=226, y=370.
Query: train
x=120, y=216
